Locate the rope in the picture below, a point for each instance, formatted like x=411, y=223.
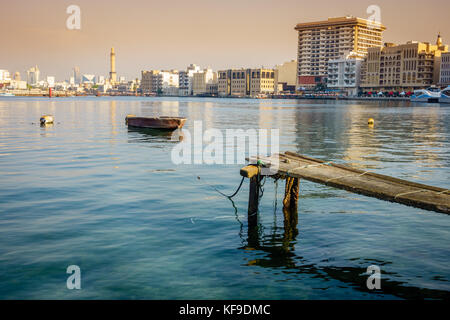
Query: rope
x=223, y=194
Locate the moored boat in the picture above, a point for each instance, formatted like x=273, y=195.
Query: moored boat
x=431, y=94
x=445, y=95
x=161, y=123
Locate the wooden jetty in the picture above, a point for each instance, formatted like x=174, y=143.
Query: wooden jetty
x=293, y=167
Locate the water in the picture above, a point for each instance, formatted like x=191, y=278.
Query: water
x=89, y=192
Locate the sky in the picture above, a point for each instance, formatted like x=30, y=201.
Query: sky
x=171, y=34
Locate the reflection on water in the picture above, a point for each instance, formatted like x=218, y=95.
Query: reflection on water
x=91, y=191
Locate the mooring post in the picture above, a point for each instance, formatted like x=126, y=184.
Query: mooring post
x=253, y=173
x=253, y=201
x=290, y=202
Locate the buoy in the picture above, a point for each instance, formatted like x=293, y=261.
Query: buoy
x=46, y=119
x=371, y=122
x=129, y=116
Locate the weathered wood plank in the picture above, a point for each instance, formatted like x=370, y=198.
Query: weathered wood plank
x=362, y=182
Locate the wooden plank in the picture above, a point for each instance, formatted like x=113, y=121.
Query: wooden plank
x=362, y=182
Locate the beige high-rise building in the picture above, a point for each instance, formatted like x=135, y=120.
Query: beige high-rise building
x=321, y=41
x=246, y=82
x=402, y=67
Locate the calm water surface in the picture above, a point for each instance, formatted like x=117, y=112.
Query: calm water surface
x=90, y=192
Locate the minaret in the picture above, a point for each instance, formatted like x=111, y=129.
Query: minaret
x=439, y=40
x=112, y=74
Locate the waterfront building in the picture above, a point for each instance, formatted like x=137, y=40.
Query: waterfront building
x=402, y=67
x=246, y=82
x=88, y=79
x=444, y=77
x=4, y=76
x=33, y=76
x=321, y=41
x=112, y=61
x=201, y=79
x=50, y=82
x=344, y=74
x=100, y=80
x=160, y=81
x=285, y=77
x=76, y=75
x=17, y=76
x=185, y=80
x=17, y=85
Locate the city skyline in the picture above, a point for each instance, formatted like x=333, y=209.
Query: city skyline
x=145, y=38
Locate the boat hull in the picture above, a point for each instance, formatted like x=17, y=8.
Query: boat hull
x=444, y=99
x=161, y=123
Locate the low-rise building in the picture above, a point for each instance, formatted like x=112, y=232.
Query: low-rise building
x=286, y=77
x=4, y=76
x=160, y=82
x=246, y=82
x=344, y=74
x=201, y=79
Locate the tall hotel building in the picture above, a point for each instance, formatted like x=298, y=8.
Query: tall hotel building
x=321, y=41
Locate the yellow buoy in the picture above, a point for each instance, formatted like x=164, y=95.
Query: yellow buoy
x=371, y=122
x=46, y=119
x=129, y=116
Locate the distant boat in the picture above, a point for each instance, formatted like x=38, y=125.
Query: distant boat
x=431, y=94
x=162, y=123
x=445, y=95
x=6, y=94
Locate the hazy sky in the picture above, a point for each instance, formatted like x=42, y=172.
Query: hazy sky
x=149, y=34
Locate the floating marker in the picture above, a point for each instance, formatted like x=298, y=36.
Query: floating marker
x=46, y=119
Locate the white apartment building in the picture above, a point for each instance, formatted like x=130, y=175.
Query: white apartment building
x=344, y=74
x=200, y=80
x=185, y=80
x=444, y=79
x=321, y=41
x=4, y=75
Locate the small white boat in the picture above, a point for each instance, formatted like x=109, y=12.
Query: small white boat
x=445, y=95
x=6, y=94
x=431, y=94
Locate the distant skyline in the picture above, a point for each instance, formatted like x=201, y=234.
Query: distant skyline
x=172, y=34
